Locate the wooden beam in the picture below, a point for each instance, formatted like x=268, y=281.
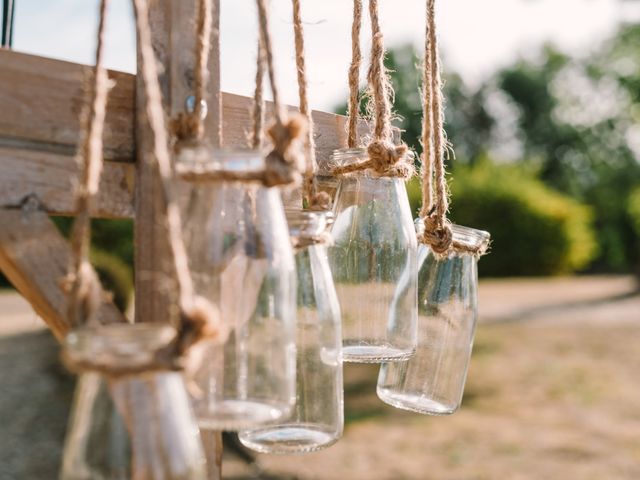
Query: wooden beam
x=51, y=177
x=34, y=256
x=41, y=102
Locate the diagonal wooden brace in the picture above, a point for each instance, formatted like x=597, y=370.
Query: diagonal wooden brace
x=35, y=257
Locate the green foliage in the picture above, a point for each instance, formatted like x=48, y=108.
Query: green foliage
x=534, y=229
x=111, y=254
x=633, y=209
x=115, y=276
x=574, y=120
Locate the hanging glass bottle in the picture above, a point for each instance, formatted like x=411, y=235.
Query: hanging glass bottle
x=241, y=260
x=432, y=381
x=130, y=426
x=374, y=249
x=318, y=418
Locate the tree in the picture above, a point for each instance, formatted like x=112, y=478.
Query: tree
x=576, y=121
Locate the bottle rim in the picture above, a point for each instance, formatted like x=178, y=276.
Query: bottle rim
x=308, y=224
x=471, y=238
x=231, y=160
x=117, y=345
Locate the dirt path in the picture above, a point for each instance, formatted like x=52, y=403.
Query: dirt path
x=552, y=397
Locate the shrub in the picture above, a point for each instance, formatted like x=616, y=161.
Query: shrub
x=534, y=230
x=633, y=210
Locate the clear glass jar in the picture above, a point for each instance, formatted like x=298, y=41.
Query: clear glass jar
x=432, y=381
x=373, y=261
x=241, y=260
x=318, y=417
x=136, y=426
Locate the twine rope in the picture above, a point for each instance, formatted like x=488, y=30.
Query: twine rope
x=314, y=199
x=385, y=158
x=82, y=285
x=284, y=164
x=199, y=319
x=435, y=195
x=257, y=112
x=437, y=232
x=354, y=75
x=190, y=125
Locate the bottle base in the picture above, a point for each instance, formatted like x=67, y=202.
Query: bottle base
x=374, y=354
x=415, y=403
x=239, y=414
x=288, y=439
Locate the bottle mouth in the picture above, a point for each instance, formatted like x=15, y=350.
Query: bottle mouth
x=345, y=156
x=308, y=223
x=117, y=345
x=239, y=161
x=470, y=238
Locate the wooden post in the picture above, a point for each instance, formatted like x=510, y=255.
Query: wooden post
x=172, y=25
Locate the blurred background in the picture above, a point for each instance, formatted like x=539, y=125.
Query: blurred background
x=543, y=112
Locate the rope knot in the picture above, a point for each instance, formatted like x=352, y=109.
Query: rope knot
x=186, y=126
x=320, y=202
x=200, y=321
x=285, y=163
x=85, y=293
x=438, y=236
x=388, y=159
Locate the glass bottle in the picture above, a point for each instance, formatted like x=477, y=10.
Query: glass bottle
x=241, y=260
x=373, y=261
x=136, y=426
x=318, y=417
x=432, y=381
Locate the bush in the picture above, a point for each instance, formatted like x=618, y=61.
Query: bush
x=633, y=209
x=534, y=230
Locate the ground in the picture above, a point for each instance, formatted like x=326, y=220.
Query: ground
x=553, y=393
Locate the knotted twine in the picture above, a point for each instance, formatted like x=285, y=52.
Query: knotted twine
x=354, y=76
x=435, y=205
x=385, y=158
x=314, y=199
x=188, y=127
x=283, y=164
x=82, y=285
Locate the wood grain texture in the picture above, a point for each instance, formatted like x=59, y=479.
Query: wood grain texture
x=34, y=256
x=51, y=177
x=42, y=98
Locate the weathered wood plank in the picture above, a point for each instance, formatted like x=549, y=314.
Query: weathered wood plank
x=42, y=98
x=51, y=177
x=34, y=256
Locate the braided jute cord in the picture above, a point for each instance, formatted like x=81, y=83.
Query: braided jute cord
x=82, y=285
x=314, y=199
x=285, y=162
x=354, y=76
x=189, y=126
x=435, y=205
x=257, y=111
x=385, y=158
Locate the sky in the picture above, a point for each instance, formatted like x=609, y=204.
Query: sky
x=476, y=36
